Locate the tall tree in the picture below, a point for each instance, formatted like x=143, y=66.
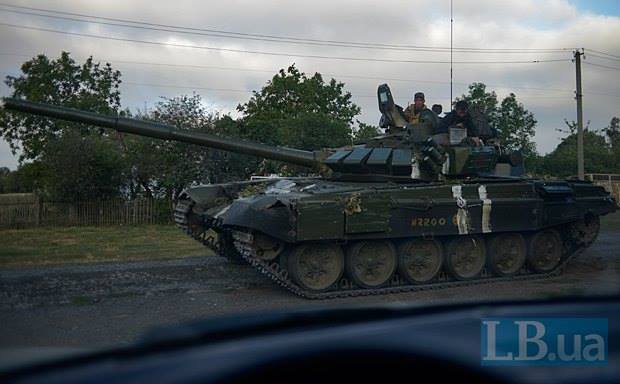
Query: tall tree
x=165, y=168
x=516, y=126
x=300, y=111
x=82, y=168
x=562, y=161
x=613, y=132
x=482, y=101
x=90, y=86
x=27, y=177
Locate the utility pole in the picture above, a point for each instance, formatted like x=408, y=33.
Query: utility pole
x=451, y=28
x=579, y=98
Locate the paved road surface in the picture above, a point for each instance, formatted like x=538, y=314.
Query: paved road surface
x=97, y=305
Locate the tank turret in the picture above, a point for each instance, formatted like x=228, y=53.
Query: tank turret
x=405, y=152
x=354, y=234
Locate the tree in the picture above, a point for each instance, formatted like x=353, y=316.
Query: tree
x=74, y=161
x=165, y=168
x=365, y=131
x=482, y=101
x=82, y=168
x=90, y=86
x=613, y=132
x=562, y=162
x=26, y=178
x=299, y=111
x=5, y=174
x=516, y=126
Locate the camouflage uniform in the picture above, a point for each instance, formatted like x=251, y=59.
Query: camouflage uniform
x=422, y=115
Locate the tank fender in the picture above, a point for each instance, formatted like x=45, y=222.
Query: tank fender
x=210, y=195
x=272, y=215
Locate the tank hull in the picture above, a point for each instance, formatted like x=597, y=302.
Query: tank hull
x=268, y=223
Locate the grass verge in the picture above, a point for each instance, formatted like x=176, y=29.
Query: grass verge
x=38, y=246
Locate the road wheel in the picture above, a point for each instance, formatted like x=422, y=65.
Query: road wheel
x=371, y=264
x=545, y=250
x=316, y=267
x=585, y=231
x=267, y=248
x=507, y=253
x=465, y=257
x=420, y=260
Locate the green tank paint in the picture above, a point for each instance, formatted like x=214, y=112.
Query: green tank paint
x=405, y=189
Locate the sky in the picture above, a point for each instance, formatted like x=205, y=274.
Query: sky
x=224, y=77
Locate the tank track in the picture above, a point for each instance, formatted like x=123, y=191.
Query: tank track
x=346, y=288
x=396, y=285
x=181, y=214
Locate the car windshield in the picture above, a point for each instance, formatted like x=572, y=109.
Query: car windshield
x=184, y=161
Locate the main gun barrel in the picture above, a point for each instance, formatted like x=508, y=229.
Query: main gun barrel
x=164, y=131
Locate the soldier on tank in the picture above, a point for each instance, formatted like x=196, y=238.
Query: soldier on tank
x=418, y=112
x=460, y=117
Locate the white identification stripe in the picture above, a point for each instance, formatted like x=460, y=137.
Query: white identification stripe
x=462, y=215
x=486, y=209
x=223, y=211
x=445, y=169
x=415, y=168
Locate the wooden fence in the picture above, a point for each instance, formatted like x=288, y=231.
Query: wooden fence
x=29, y=210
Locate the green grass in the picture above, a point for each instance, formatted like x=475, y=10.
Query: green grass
x=40, y=246
x=26, y=247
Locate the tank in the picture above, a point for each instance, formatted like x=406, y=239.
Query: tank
x=405, y=211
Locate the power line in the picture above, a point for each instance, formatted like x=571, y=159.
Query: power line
x=283, y=41
x=176, y=86
x=262, y=37
x=603, y=53
x=215, y=89
x=272, y=53
x=602, y=66
x=602, y=57
x=156, y=85
x=335, y=75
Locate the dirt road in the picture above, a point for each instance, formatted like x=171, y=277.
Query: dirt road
x=94, y=305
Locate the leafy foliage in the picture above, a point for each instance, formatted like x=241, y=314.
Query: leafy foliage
x=599, y=156
x=613, y=132
x=366, y=131
x=26, y=178
x=516, y=126
x=163, y=168
x=90, y=86
x=72, y=161
x=562, y=161
x=482, y=101
x=80, y=168
x=299, y=111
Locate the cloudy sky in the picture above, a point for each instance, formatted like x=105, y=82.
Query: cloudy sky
x=168, y=61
